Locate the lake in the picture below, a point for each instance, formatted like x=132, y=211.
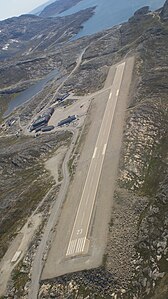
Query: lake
x=109, y=13
x=30, y=92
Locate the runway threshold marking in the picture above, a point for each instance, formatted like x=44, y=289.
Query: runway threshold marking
x=85, y=211
x=71, y=247
x=80, y=244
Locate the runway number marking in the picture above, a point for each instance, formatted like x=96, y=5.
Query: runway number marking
x=79, y=236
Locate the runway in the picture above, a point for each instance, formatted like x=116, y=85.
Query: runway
x=78, y=243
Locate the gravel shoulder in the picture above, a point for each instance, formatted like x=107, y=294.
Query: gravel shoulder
x=104, y=194
x=19, y=244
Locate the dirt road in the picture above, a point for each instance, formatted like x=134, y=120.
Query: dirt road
x=56, y=209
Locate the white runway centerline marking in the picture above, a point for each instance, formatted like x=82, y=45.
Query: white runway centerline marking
x=117, y=93
x=94, y=154
x=104, y=149
x=88, y=197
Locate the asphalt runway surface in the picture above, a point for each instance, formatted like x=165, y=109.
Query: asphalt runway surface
x=80, y=237
x=78, y=243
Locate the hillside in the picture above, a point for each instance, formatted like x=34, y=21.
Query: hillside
x=28, y=34
x=58, y=7
x=135, y=264
x=28, y=49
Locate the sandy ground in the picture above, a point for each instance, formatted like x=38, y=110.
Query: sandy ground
x=24, y=237
x=54, y=163
x=57, y=264
x=78, y=108
x=20, y=243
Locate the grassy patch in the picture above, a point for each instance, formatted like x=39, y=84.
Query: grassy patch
x=4, y=102
x=161, y=291
x=90, y=292
x=20, y=278
x=104, y=261
x=156, y=170
x=27, y=201
x=23, y=187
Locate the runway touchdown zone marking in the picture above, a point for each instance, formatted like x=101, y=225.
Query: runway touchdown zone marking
x=77, y=244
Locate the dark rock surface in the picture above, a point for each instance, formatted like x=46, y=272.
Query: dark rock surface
x=58, y=7
x=136, y=258
x=24, y=181
x=136, y=263
x=164, y=12
x=28, y=33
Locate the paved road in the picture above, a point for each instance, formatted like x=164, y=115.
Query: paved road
x=78, y=243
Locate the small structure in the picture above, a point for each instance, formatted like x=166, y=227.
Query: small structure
x=47, y=128
x=11, y=121
x=39, y=129
x=67, y=120
x=40, y=122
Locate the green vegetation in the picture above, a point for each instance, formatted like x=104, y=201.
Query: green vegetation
x=26, y=182
x=157, y=168
x=20, y=278
x=30, y=192
x=4, y=102
x=104, y=261
x=84, y=291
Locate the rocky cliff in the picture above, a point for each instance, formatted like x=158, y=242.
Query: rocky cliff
x=135, y=265
x=136, y=261
x=164, y=12
x=58, y=7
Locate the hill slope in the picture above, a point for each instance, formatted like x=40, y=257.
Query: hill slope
x=135, y=264
x=58, y=7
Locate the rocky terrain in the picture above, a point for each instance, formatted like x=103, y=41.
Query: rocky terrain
x=24, y=181
x=135, y=263
x=58, y=7
x=35, y=52
x=29, y=33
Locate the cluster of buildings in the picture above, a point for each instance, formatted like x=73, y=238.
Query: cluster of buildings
x=42, y=121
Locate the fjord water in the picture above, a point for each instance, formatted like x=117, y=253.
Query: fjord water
x=109, y=13
x=30, y=92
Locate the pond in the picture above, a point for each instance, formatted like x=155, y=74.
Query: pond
x=30, y=92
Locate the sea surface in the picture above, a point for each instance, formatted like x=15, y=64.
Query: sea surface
x=30, y=92
x=109, y=13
